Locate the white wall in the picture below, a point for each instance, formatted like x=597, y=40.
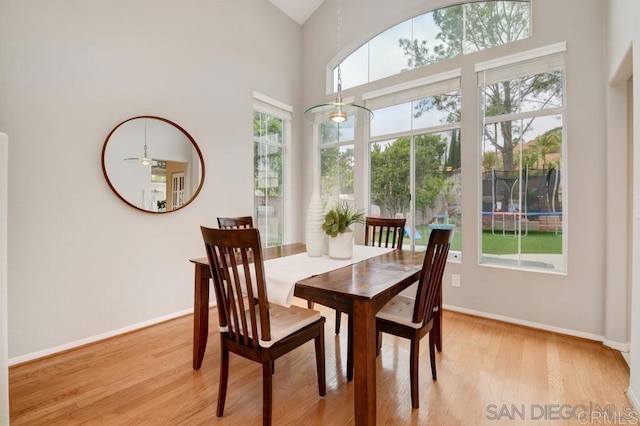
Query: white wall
x=572, y=302
x=4, y=340
x=82, y=263
x=623, y=47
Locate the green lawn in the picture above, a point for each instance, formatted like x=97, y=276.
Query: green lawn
x=534, y=242
x=424, y=232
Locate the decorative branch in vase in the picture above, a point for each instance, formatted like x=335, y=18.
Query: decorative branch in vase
x=337, y=223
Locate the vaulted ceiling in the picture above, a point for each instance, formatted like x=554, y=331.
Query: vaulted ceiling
x=299, y=10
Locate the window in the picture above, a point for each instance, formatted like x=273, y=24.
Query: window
x=522, y=163
x=414, y=155
x=411, y=153
x=337, y=162
x=436, y=36
x=271, y=134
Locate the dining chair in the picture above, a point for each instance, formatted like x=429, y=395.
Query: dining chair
x=384, y=232
x=380, y=232
x=412, y=318
x=242, y=222
x=249, y=325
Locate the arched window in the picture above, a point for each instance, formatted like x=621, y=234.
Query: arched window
x=436, y=36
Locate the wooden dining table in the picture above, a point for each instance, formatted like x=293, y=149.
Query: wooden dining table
x=360, y=290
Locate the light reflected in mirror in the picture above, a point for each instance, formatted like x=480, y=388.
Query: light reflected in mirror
x=152, y=164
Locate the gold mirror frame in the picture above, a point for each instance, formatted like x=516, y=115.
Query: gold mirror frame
x=170, y=150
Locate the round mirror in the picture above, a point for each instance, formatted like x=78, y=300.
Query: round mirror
x=152, y=164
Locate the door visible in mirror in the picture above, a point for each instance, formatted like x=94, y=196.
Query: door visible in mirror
x=152, y=164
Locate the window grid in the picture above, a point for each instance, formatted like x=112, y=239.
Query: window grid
x=271, y=131
x=424, y=44
x=522, y=161
x=415, y=164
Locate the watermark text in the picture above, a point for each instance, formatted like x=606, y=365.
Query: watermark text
x=585, y=414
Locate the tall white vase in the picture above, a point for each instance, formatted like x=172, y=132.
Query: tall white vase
x=331, y=204
x=314, y=235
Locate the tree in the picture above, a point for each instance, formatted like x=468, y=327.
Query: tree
x=488, y=160
x=264, y=125
x=477, y=26
x=390, y=176
x=336, y=162
x=337, y=170
x=430, y=180
x=507, y=97
x=548, y=143
x=530, y=159
x=390, y=173
x=453, y=155
x=267, y=159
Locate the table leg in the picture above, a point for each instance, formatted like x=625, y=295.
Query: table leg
x=200, y=314
x=364, y=342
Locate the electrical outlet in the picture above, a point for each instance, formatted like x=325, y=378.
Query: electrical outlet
x=455, y=280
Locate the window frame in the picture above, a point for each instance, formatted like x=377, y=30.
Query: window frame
x=409, y=92
x=331, y=71
x=523, y=64
x=272, y=107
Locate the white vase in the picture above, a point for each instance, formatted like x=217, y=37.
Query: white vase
x=341, y=246
x=314, y=235
x=331, y=204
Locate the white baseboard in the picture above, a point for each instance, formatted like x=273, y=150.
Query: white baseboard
x=622, y=347
x=71, y=345
x=619, y=346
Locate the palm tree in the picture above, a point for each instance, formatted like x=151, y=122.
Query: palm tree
x=548, y=143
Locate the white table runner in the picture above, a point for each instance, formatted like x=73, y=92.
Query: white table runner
x=281, y=274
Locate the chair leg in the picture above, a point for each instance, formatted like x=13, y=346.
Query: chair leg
x=338, y=318
x=378, y=342
x=350, y=348
x=432, y=354
x=320, y=362
x=413, y=371
x=437, y=329
x=267, y=396
x=224, y=378
x=309, y=304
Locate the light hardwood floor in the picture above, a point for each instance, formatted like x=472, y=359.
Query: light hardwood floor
x=487, y=371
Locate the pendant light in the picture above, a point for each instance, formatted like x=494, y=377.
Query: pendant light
x=339, y=112
x=144, y=160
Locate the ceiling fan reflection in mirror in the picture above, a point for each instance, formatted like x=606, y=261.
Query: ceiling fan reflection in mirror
x=145, y=160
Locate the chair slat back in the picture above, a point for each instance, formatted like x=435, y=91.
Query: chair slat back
x=430, y=283
x=384, y=232
x=243, y=222
x=235, y=259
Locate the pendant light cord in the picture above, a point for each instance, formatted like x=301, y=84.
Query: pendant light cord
x=339, y=94
x=338, y=112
